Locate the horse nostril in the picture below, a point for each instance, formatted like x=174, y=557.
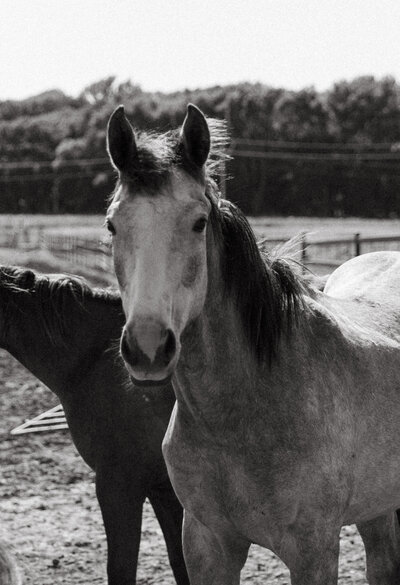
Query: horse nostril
x=166, y=350
x=169, y=345
x=126, y=351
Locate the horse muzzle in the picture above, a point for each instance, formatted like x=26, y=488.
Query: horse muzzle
x=149, y=350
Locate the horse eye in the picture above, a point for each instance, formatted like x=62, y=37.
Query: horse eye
x=200, y=225
x=110, y=227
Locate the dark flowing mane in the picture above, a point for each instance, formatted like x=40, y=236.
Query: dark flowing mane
x=55, y=297
x=265, y=289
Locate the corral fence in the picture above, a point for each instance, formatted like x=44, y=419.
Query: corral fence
x=323, y=254
x=86, y=252
x=330, y=253
x=19, y=236
x=319, y=253
x=89, y=253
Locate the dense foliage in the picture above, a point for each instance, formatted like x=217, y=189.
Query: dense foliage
x=333, y=153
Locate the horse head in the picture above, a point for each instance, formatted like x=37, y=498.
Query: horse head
x=158, y=219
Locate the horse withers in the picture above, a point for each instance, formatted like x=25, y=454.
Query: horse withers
x=67, y=335
x=286, y=425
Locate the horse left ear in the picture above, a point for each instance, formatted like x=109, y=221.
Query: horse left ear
x=195, y=136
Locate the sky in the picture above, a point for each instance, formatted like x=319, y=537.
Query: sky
x=170, y=45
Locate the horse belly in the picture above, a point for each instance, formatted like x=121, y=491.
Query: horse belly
x=376, y=455
x=376, y=476
x=378, y=502
x=376, y=488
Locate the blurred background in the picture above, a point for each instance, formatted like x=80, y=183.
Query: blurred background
x=309, y=90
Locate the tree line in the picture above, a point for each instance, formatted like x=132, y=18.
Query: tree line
x=294, y=152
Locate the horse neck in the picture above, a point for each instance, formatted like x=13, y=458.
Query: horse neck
x=216, y=363
x=219, y=374
x=61, y=360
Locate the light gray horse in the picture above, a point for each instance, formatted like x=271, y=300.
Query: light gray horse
x=287, y=418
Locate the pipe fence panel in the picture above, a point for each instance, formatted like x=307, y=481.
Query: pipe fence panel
x=335, y=252
x=83, y=251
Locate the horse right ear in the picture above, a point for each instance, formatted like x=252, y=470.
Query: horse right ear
x=121, y=145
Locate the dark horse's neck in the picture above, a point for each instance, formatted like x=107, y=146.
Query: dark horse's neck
x=55, y=326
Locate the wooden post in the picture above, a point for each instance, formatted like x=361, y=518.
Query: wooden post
x=303, y=248
x=357, y=244
x=55, y=188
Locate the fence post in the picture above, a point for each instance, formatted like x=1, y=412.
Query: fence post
x=303, y=248
x=41, y=238
x=357, y=244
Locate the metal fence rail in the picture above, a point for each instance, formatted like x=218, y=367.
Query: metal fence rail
x=334, y=252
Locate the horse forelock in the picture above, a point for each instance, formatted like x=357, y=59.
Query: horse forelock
x=265, y=289
x=158, y=154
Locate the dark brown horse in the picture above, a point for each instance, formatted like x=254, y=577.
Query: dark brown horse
x=64, y=332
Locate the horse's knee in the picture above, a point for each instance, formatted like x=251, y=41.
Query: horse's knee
x=212, y=556
x=312, y=553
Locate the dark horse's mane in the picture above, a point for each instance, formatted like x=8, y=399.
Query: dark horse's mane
x=267, y=291
x=55, y=297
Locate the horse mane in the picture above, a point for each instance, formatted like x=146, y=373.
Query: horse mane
x=159, y=153
x=55, y=297
x=265, y=288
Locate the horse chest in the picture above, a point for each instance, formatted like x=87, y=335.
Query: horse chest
x=219, y=486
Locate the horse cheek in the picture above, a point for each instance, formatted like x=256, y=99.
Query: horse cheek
x=191, y=271
x=194, y=281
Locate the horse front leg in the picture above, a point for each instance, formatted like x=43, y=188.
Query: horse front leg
x=212, y=558
x=121, y=507
x=381, y=537
x=169, y=514
x=311, y=552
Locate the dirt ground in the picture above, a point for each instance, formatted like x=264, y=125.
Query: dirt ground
x=50, y=517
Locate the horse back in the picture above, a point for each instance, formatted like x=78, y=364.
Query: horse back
x=365, y=292
x=374, y=276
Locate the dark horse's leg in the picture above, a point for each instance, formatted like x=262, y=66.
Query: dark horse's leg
x=170, y=516
x=381, y=537
x=122, y=516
